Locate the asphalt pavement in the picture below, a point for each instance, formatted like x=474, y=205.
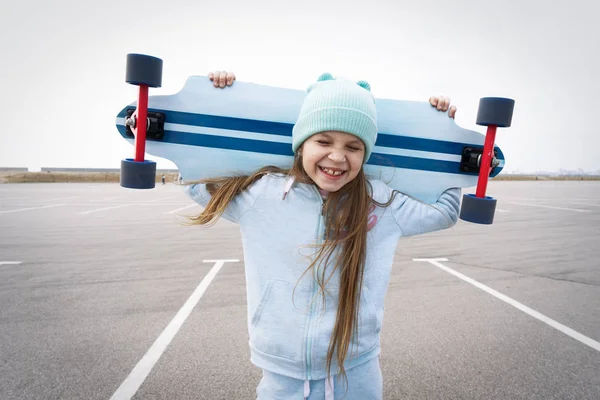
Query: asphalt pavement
x=105, y=294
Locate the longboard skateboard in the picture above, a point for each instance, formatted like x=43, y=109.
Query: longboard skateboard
x=207, y=132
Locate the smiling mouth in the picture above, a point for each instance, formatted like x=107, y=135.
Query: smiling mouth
x=335, y=173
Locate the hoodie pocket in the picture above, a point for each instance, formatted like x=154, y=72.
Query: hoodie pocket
x=279, y=322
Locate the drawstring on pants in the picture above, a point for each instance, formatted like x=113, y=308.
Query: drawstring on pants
x=328, y=389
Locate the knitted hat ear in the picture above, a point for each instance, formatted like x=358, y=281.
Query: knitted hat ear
x=325, y=77
x=364, y=85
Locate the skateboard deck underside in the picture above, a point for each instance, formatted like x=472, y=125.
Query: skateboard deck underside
x=210, y=132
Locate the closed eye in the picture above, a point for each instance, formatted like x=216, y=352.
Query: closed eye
x=353, y=148
x=322, y=142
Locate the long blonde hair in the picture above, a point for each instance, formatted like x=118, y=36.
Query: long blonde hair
x=346, y=214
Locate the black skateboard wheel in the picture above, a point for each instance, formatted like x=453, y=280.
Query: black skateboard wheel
x=144, y=70
x=479, y=210
x=495, y=111
x=138, y=175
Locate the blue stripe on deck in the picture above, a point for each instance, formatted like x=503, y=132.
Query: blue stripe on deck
x=284, y=149
x=285, y=129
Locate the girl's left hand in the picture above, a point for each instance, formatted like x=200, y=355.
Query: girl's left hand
x=221, y=79
x=442, y=103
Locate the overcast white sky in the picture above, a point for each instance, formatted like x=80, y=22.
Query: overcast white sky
x=62, y=66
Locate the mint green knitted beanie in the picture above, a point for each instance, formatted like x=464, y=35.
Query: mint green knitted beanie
x=337, y=105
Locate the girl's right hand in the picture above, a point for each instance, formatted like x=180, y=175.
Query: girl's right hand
x=220, y=79
x=442, y=103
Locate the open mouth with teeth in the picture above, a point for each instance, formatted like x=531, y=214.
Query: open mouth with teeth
x=332, y=172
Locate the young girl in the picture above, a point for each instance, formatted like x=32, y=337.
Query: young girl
x=319, y=242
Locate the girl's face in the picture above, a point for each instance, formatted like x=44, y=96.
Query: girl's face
x=332, y=159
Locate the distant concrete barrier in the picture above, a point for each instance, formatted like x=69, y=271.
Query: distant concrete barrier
x=13, y=169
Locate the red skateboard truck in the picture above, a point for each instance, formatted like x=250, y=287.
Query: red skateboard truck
x=145, y=72
x=493, y=112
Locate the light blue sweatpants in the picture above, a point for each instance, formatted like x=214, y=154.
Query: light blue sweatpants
x=364, y=383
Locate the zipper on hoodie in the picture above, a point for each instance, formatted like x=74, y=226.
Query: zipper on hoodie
x=319, y=237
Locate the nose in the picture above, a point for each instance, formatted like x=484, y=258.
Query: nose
x=337, y=156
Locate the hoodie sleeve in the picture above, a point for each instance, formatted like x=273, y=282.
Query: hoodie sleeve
x=238, y=206
x=415, y=217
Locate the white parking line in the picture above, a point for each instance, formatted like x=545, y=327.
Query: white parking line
x=41, y=200
x=106, y=199
x=10, y=262
x=31, y=208
x=549, y=199
x=61, y=198
x=105, y=208
x=181, y=209
x=116, y=204
x=519, y=198
x=552, y=207
x=549, y=321
x=139, y=373
x=157, y=200
x=589, y=204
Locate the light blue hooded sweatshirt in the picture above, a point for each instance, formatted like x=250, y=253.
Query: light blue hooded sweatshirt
x=289, y=333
